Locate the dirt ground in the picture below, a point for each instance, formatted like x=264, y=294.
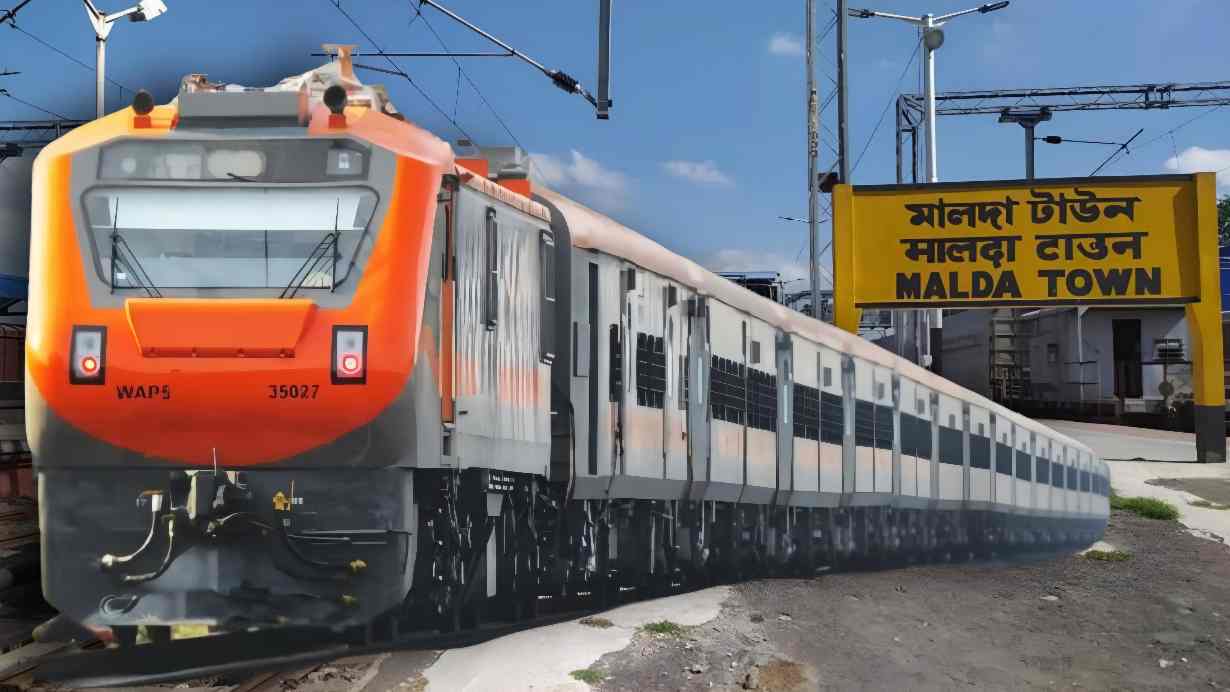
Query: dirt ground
x=1156, y=621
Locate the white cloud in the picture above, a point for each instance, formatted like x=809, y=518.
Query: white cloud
x=785, y=44
x=700, y=172
x=1199, y=159
x=600, y=186
x=789, y=268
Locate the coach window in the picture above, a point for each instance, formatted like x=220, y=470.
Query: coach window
x=546, y=254
x=761, y=399
x=616, y=349
x=491, y=305
x=1024, y=471
x=1003, y=456
x=727, y=389
x=650, y=370
x=806, y=402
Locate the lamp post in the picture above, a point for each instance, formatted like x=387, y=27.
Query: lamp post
x=143, y=11
x=932, y=38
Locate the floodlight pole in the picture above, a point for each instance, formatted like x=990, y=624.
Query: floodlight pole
x=932, y=39
x=103, y=23
x=102, y=29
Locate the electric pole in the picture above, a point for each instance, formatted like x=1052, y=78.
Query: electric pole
x=813, y=150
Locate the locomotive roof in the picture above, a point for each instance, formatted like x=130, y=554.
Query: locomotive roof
x=592, y=230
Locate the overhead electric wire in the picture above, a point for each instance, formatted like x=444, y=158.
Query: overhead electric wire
x=891, y=100
x=1122, y=148
x=13, y=24
x=400, y=72
x=479, y=92
x=5, y=92
x=1168, y=133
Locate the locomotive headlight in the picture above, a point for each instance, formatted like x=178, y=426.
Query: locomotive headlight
x=349, y=355
x=86, y=355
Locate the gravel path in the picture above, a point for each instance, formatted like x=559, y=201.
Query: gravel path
x=1157, y=621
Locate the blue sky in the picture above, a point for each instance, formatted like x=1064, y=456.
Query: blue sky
x=705, y=147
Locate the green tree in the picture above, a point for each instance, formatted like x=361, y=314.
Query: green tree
x=1223, y=220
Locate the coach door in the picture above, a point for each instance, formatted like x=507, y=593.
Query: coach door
x=643, y=423
x=833, y=422
x=762, y=413
x=674, y=441
x=444, y=238
x=695, y=395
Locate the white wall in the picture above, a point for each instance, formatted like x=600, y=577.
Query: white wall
x=966, y=350
x=1059, y=327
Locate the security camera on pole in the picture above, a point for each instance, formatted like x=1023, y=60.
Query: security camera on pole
x=143, y=11
x=932, y=39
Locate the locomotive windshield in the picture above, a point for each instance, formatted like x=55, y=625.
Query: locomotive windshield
x=149, y=238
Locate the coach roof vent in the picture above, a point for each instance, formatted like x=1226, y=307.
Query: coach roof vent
x=203, y=104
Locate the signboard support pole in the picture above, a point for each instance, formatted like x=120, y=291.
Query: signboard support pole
x=845, y=315
x=1204, y=324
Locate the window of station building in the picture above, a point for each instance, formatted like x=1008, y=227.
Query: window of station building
x=761, y=400
x=1023, y=467
x=616, y=349
x=828, y=377
x=979, y=450
x=806, y=411
x=755, y=352
x=832, y=418
x=650, y=370
x=727, y=390
x=884, y=426
x=1003, y=458
x=546, y=337
x=491, y=276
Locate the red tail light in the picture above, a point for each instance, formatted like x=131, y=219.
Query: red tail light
x=349, y=355
x=87, y=353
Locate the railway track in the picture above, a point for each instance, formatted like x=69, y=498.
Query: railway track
x=20, y=674
x=19, y=540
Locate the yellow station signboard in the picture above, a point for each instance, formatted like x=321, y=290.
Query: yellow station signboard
x=1144, y=240
x=1039, y=242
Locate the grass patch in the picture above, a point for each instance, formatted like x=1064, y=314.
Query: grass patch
x=589, y=676
x=1107, y=555
x=1205, y=504
x=600, y=623
x=1145, y=507
x=666, y=628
